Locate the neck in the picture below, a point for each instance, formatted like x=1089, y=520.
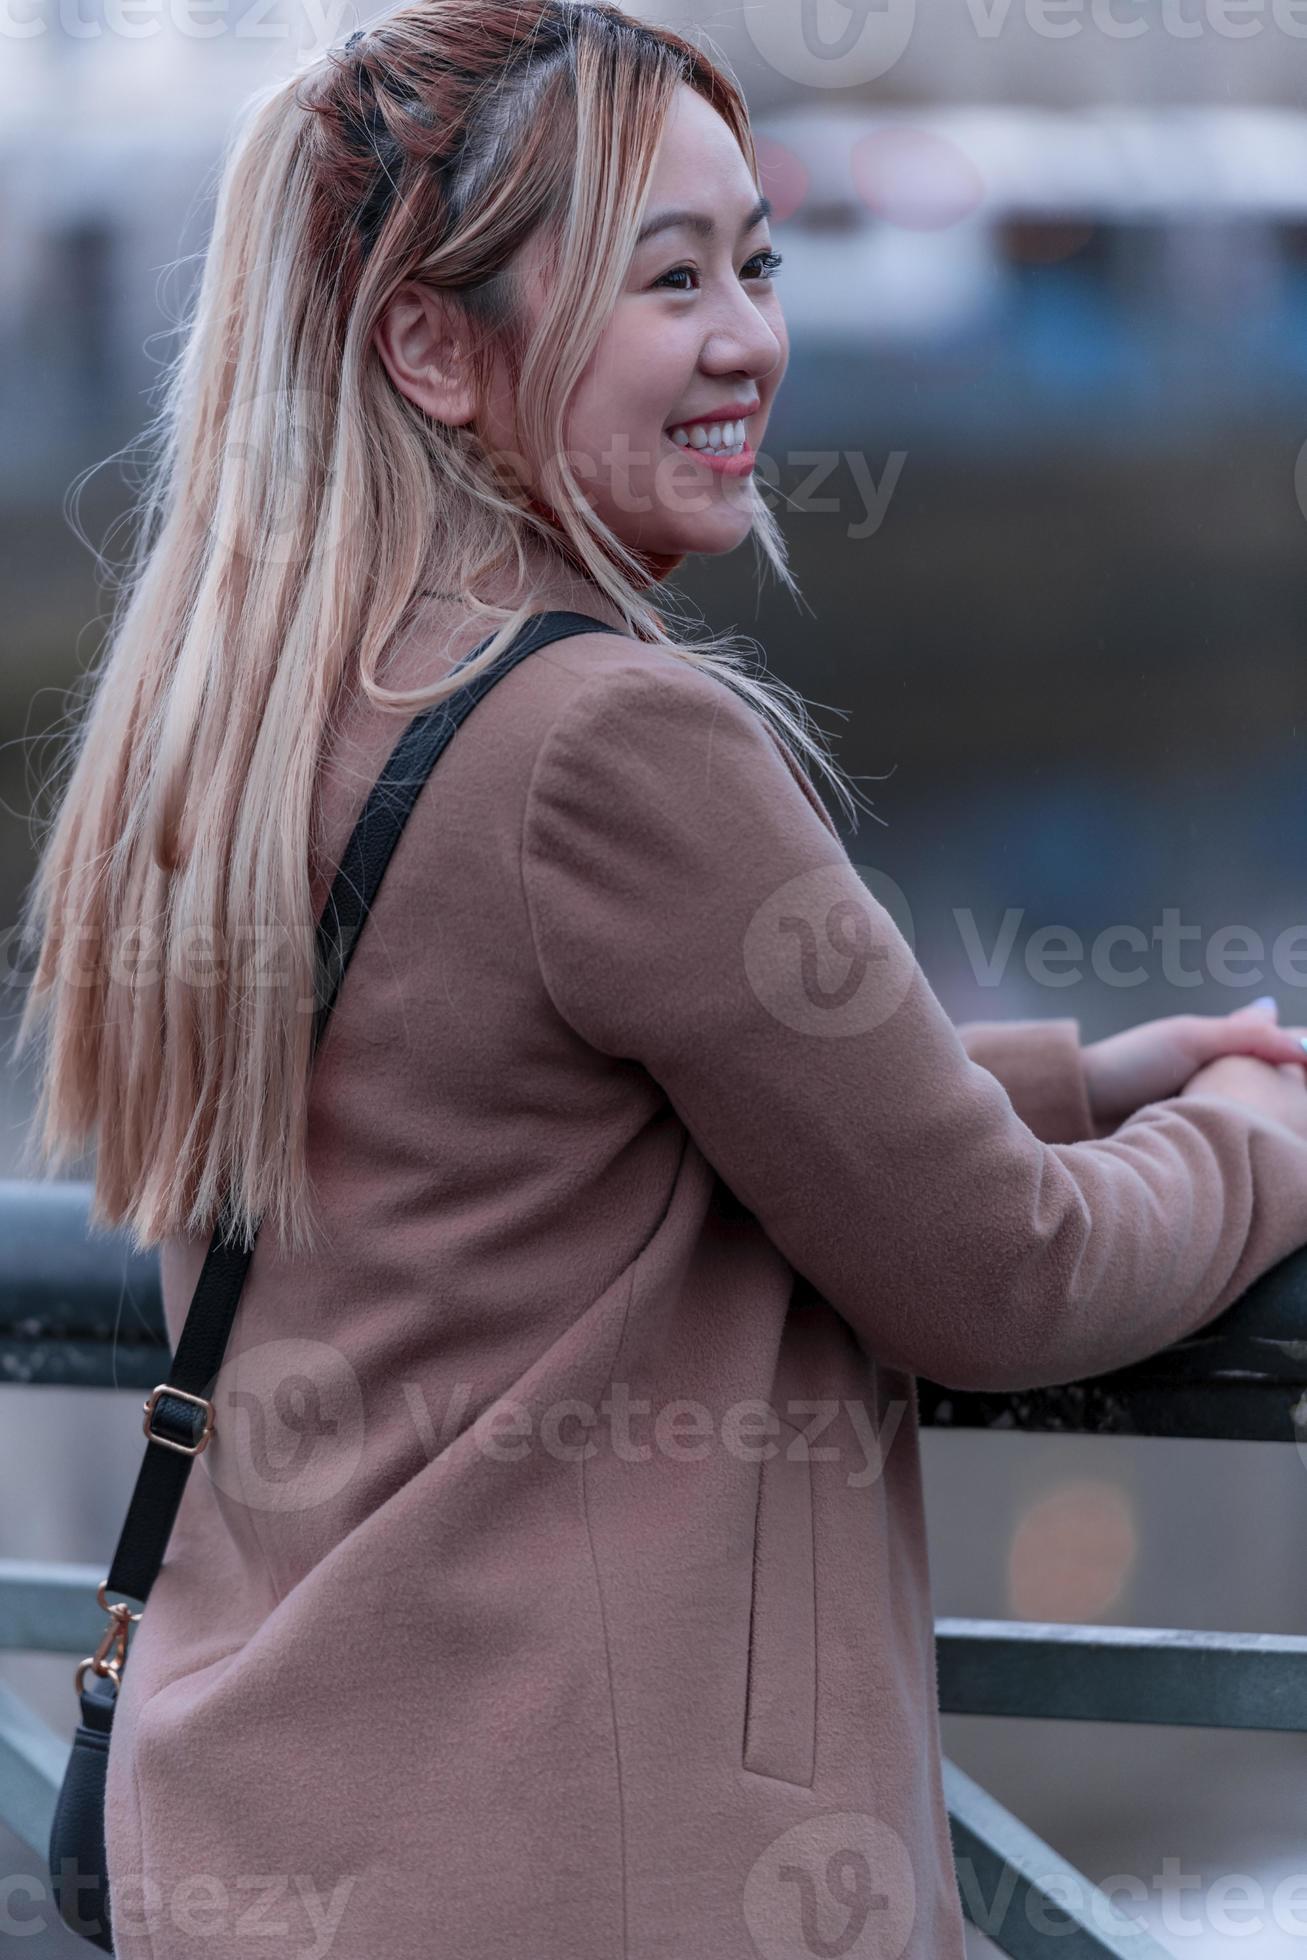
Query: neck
x=656, y=565
x=555, y=578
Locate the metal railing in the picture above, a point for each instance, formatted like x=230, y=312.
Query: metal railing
x=85, y=1310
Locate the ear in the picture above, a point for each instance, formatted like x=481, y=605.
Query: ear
x=422, y=337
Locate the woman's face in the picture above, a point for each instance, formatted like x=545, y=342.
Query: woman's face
x=696, y=341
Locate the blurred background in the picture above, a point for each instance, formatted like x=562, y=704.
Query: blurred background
x=1040, y=460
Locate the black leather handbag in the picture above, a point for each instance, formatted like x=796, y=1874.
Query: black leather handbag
x=178, y=1413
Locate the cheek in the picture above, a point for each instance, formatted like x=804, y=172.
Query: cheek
x=639, y=375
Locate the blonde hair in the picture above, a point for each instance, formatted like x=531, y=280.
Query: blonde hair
x=296, y=508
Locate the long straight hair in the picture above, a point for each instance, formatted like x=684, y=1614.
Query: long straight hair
x=296, y=508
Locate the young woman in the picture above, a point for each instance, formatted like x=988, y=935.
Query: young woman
x=555, y=1585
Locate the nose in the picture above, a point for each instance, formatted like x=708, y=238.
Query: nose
x=741, y=339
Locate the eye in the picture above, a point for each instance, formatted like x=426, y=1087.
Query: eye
x=768, y=264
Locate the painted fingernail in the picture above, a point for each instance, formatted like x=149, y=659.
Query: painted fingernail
x=1267, y=1000
x=1303, y=1039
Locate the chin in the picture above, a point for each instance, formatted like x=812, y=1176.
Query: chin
x=703, y=535
x=721, y=529
x=711, y=540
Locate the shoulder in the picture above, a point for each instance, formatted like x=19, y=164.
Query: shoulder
x=628, y=702
x=592, y=668
x=621, y=704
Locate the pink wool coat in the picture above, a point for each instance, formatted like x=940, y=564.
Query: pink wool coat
x=556, y=1586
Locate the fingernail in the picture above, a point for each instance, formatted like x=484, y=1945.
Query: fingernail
x=1303, y=1039
x=1267, y=1000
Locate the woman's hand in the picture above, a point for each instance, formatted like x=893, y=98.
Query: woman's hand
x=1277, y=1092
x=1157, y=1059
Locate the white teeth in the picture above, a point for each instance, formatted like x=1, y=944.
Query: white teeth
x=723, y=438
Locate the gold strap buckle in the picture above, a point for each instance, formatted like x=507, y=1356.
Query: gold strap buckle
x=110, y=1656
x=186, y=1449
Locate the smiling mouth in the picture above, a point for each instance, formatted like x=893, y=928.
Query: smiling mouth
x=694, y=436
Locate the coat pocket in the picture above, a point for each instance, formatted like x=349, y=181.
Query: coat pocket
x=780, y=1721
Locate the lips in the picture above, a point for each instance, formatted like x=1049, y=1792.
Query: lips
x=724, y=462
x=694, y=422
x=728, y=412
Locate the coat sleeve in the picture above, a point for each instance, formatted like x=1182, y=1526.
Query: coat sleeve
x=694, y=914
x=1041, y=1065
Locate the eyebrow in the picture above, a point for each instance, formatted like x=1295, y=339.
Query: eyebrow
x=700, y=223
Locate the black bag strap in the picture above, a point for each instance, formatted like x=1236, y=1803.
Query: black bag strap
x=178, y=1413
